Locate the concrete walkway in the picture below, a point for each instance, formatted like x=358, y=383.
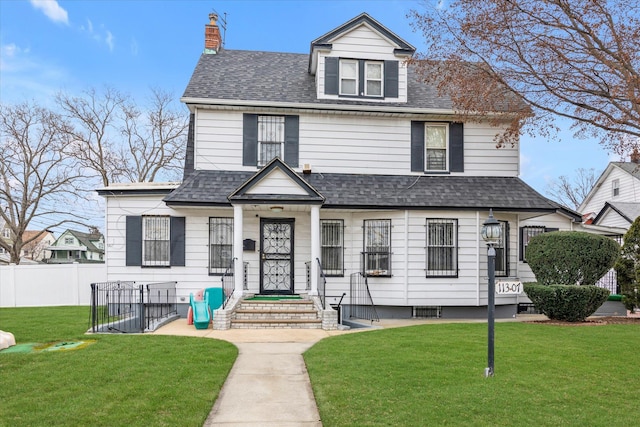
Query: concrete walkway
x=268, y=384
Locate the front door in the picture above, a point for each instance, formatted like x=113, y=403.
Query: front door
x=276, y=254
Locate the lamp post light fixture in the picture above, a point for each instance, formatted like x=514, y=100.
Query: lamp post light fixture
x=491, y=234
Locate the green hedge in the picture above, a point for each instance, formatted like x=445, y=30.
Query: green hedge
x=571, y=257
x=566, y=303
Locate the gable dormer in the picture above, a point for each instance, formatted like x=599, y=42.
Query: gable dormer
x=361, y=60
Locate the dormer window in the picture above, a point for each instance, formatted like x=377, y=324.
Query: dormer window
x=373, y=78
x=347, y=77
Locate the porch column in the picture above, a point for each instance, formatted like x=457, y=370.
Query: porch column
x=238, y=272
x=315, y=247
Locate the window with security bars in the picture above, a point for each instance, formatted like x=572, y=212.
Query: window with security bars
x=502, y=251
x=332, y=246
x=377, y=247
x=156, y=240
x=270, y=138
x=220, y=244
x=442, y=247
x=526, y=233
x=436, y=147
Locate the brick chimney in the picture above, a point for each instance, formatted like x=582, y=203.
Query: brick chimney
x=212, y=37
x=635, y=156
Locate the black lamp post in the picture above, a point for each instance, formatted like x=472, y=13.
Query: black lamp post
x=491, y=233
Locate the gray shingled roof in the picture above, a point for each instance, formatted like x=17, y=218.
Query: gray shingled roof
x=630, y=211
x=282, y=77
x=211, y=188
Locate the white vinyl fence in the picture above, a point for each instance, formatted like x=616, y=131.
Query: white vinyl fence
x=49, y=284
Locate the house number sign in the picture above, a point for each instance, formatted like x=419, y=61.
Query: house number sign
x=508, y=288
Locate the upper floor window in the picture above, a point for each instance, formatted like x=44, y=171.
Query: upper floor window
x=267, y=137
x=436, y=147
x=220, y=244
x=270, y=138
x=348, y=77
x=6, y=233
x=377, y=247
x=361, y=77
x=615, y=188
x=68, y=240
x=332, y=246
x=442, y=247
x=155, y=240
x=373, y=79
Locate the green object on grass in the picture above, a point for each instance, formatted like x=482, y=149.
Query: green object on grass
x=20, y=348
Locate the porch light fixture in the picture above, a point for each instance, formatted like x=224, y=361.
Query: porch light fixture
x=276, y=208
x=491, y=233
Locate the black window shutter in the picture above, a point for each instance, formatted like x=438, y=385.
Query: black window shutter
x=521, y=248
x=360, y=78
x=134, y=240
x=391, y=79
x=417, y=147
x=291, y=132
x=331, y=76
x=177, y=257
x=456, y=147
x=250, y=140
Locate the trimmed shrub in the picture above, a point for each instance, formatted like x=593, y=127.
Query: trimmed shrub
x=566, y=303
x=571, y=257
x=628, y=267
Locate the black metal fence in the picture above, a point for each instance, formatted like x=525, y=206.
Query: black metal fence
x=609, y=281
x=361, y=305
x=128, y=307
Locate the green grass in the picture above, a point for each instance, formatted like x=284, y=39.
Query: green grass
x=132, y=380
x=434, y=375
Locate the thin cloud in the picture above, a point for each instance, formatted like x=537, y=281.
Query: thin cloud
x=52, y=10
x=109, y=40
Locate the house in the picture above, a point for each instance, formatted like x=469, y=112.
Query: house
x=36, y=249
x=614, y=200
x=334, y=165
x=76, y=246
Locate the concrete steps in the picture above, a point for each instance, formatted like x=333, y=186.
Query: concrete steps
x=264, y=314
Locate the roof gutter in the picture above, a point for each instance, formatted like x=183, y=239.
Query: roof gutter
x=382, y=109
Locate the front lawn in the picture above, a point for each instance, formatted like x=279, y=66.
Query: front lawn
x=434, y=375
x=121, y=380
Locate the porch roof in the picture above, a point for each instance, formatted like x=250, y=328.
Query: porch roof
x=355, y=191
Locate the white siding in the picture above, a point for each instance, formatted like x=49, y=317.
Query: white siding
x=629, y=191
x=276, y=182
x=348, y=144
x=613, y=219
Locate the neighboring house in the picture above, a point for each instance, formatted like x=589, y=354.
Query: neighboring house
x=36, y=250
x=341, y=156
x=75, y=246
x=614, y=200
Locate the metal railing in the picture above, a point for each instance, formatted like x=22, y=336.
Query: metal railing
x=127, y=307
x=609, y=281
x=229, y=283
x=361, y=305
x=322, y=285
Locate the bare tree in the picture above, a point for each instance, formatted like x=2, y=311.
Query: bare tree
x=93, y=133
x=571, y=192
x=116, y=139
x=38, y=182
x=578, y=59
x=155, y=139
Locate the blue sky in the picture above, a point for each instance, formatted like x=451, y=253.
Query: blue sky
x=47, y=46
